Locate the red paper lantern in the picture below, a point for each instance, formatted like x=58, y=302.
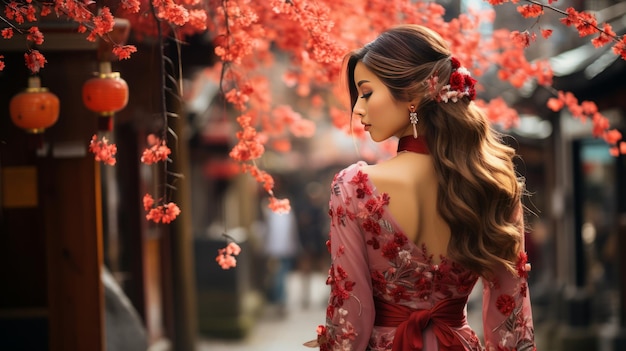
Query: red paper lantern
x=105, y=94
x=34, y=109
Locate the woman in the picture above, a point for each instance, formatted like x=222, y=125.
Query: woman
x=411, y=236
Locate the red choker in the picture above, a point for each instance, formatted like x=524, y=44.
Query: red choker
x=409, y=143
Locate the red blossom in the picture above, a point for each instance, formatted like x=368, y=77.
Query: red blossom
x=238, y=98
x=7, y=33
x=532, y=10
x=498, y=112
x=584, y=22
x=572, y=17
x=620, y=148
x=131, y=6
x=620, y=47
x=35, y=35
x=172, y=12
x=102, y=24
x=523, y=39
x=606, y=36
x=555, y=104
x=13, y=12
x=34, y=60
x=157, y=151
x=197, y=19
x=102, y=150
x=123, y=52
x=260, y=176
x=546, y=33
x=613, y=136
x=45, y=10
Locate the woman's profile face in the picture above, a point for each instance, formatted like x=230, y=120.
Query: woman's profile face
x=379, y=112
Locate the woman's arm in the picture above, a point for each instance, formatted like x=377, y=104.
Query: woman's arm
x=350, y=311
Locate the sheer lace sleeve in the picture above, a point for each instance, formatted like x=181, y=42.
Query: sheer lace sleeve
x=350, y=311
x=507, y=315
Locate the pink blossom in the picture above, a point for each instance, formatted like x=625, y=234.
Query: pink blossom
x=157, y=151
x=279, y=205
x=148, y=201
x=165, y=213
x=226, y=256
x=171, y=211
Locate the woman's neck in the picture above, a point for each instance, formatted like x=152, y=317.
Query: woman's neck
x=411, y=144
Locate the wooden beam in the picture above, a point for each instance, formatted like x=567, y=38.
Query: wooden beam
x=72, y=202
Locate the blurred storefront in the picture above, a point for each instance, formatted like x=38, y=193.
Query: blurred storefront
x=577, y=193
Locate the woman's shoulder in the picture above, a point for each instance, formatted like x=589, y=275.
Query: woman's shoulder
x=347, y=174
x=353, y=181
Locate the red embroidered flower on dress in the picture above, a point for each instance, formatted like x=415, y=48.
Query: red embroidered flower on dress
x=400, y=239
x=505, y=304
x=523, y=289
x=379, y=282
x=374, y=243
x=522, y=259
x=361, y=181
x=399, y=293
x=376, y=206
x=390, y=250
x=341, y=273
x=371, y=226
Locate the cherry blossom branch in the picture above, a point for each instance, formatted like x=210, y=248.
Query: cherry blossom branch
x=581, y=18
x=225, y=64
x=585, y=23
x=162, y=83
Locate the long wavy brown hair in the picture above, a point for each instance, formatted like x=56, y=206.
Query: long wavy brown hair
x=479, y=193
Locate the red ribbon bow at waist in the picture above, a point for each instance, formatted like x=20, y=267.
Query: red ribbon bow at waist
x=411, y=323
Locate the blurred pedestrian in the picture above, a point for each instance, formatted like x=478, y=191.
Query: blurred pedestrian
x=281, y=247
x=312, y=215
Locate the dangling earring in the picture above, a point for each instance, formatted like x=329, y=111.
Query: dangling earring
x=413, y=119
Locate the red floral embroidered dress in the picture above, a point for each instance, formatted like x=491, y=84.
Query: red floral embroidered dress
x=383, y=285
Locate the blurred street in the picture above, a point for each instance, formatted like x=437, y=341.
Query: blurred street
x=274, y=333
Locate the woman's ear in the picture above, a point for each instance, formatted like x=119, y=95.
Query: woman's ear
x=415, y=102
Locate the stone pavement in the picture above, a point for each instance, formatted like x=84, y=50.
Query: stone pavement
x=286, y=333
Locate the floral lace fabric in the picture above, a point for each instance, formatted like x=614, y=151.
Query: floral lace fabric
x=373, y=259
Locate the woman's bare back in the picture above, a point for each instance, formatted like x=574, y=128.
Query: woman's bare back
x=411, y=183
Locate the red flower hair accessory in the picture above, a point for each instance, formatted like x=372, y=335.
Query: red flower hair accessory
x=461, y=84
